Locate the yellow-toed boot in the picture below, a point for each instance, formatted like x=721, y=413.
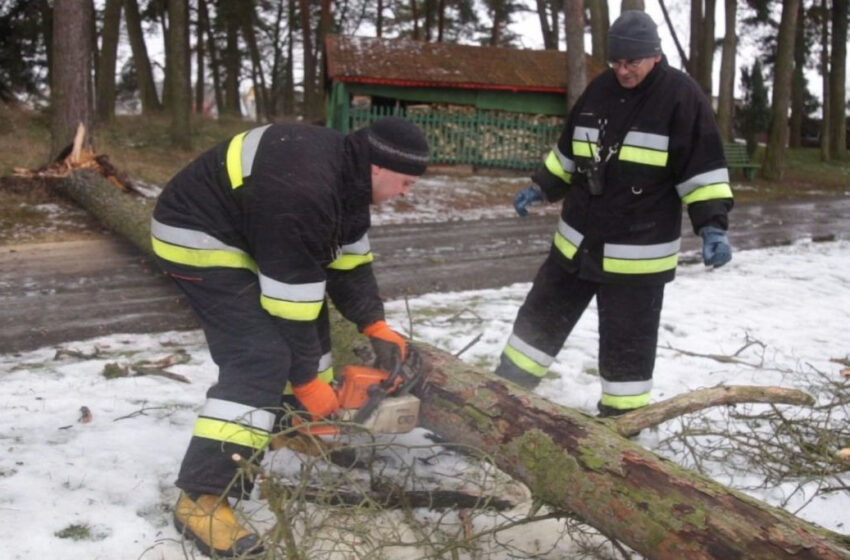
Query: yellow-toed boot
x=209, y=521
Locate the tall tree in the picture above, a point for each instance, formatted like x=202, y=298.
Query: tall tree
x=248, y=19
x=838, y=82
x=144, y=73
x=227, y=14
x=212, y=48
x=798, y=83
x=599, y=24
x=824, y=69
x=547, y=13
x=70, y=92
x=289, y=73
x=706, y=60
x=200, y=56
x=777, y=138
x=726, y=94
x=632, y=5
x=576, y=61
x=105, y=86
x=755, y=113
x=179, y=73
x=310, y=93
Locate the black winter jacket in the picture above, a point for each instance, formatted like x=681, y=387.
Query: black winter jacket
x=658, y=146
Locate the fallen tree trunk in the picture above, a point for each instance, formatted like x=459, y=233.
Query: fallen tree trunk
x=569, y=460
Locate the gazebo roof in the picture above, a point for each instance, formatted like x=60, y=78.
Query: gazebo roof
x=402, y=62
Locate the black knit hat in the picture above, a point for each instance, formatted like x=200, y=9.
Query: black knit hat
x=398, y=145
x=633, y=35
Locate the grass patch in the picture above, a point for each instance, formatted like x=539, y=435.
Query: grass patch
x=80, y=532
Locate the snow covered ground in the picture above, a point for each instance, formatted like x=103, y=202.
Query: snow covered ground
x=103, y=488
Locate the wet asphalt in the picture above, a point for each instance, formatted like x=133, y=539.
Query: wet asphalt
x=59, y=292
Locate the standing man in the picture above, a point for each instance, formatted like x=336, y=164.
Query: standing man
x=255, y=232
x=640, y=141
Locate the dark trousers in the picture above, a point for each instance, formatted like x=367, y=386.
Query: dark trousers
x=253, y=360
x=629, y=316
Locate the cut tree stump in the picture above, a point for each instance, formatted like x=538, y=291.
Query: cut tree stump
x=569, y=460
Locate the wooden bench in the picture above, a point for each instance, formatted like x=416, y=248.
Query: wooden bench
x=737, y=158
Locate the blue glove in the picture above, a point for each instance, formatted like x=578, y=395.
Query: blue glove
x=715, y=247
x=526, y=197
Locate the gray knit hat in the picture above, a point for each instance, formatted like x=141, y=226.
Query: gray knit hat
x=633, y=35
x=398, y=145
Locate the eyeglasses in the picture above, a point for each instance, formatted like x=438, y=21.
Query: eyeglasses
x=631, y=64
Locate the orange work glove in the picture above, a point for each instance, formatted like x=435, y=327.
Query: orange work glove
x=317, y=397
x=389, y=346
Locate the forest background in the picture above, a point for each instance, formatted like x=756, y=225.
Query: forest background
x=212, y=54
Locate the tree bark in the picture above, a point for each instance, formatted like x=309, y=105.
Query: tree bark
x=838, y=82
x=576, y=59
x=599, y=24
x=105, y=87
x=70, y=92
x=200, y=72
x=229, y=12
x=695, y=44
x=309, y=62
x=569, y=460
x=777, y=137
x=550, y=34
x=726, y=93
x=179, y=73
x=824, y=70
x=632, y=5
x=798, y=85
x=706, y=67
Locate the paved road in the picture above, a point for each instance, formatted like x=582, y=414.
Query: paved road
x=57, y=292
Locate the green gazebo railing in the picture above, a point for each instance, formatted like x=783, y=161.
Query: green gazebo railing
x=476, y=137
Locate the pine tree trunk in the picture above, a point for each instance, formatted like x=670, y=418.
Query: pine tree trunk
x=70, y=92
x=179, y=74
x=309, y=61
x=726, y=94
x=144, y=73
x=706, y=68
x=777, y=137
x=795, y=124
x=260, y=96
x=824, y=72
x=576, y=59
x=838, y=82
x=599, y=24
x=105, y=88
x=229, y=13
x=571, y=461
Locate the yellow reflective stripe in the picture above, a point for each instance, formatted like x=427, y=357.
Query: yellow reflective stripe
x=292, y=310
x=234, y=160
x=643, y=155
x=639, y=266
x=202, y=258
x=524, y=362
x=583, y=149
x=709, y=192
x=625, y=402
x=326, y=375
x=230, y=432
x=553, y=164
x=349, y=262
x=565, y=246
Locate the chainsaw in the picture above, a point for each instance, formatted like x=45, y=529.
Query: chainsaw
x=377, y=400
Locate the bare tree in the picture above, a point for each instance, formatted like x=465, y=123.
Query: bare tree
x=248, y=19
x=726, y=94
x=144, y=73
x=105, y=86
x=838, y=82
x=179, y=72
x=215, y=63
x=777, y=137
x=576, y=62
x=70, y=91
x=706, y=61
x=228, y=13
